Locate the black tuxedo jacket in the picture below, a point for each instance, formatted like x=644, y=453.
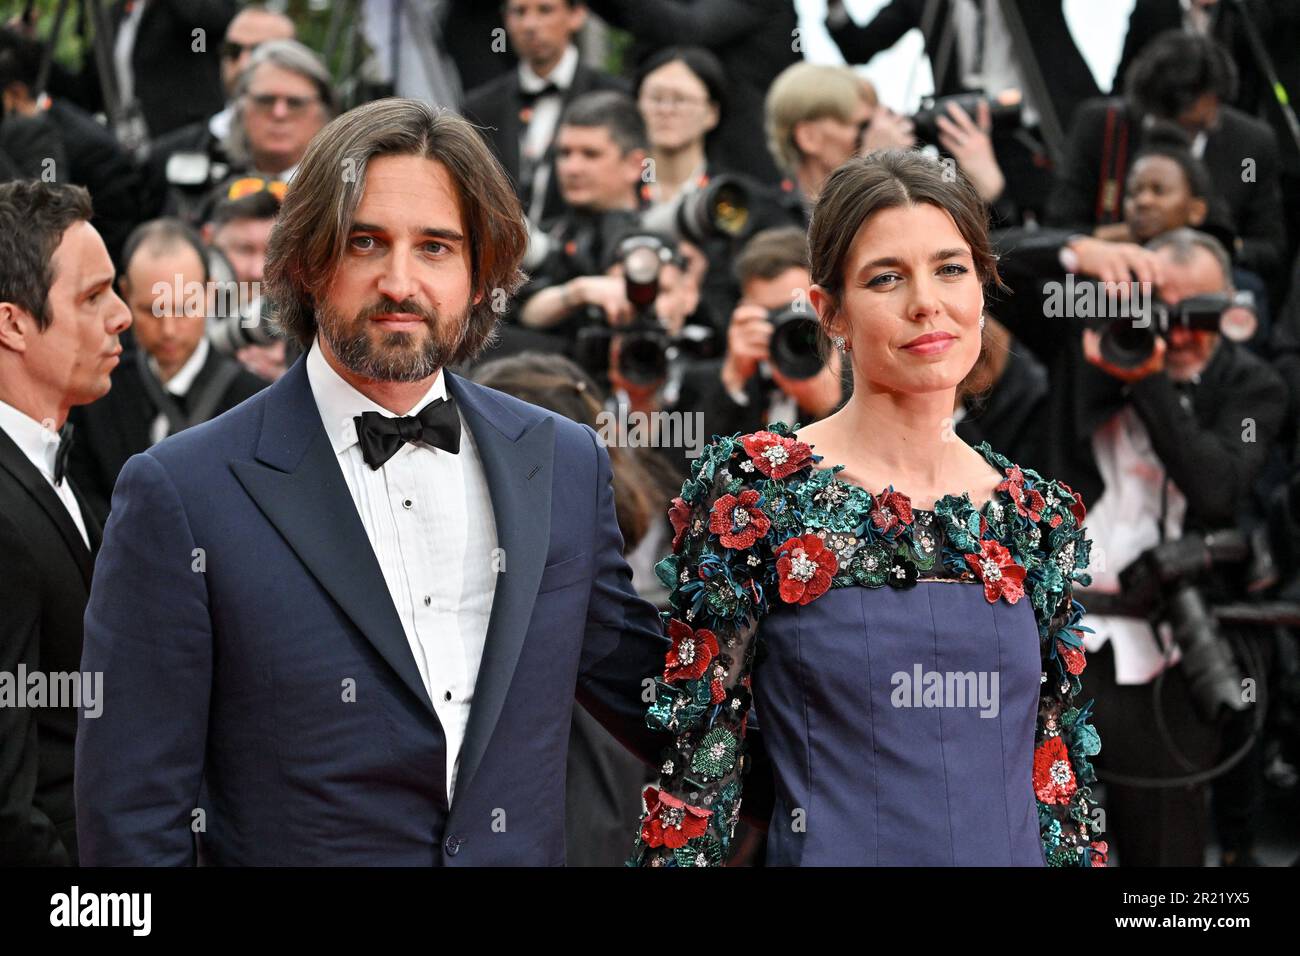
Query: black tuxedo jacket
x=111, y=430
x=1069, y=81
x=497, y=104
x=45, y=570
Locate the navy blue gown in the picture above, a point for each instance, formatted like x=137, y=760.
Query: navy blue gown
x=905, y=679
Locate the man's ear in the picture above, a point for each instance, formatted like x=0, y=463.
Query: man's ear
x=577, y=17
x=17, y=326
x=635, y=165
x=206, y=232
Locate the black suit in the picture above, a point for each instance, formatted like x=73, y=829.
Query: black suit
x=754, y=40
x=1253, y=205
x=1066, y=74
x=117, y=426
x=497, y=104
x=45, y=570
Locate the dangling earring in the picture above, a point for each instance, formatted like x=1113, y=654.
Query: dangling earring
x=981, y=323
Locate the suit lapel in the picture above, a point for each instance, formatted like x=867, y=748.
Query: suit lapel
x=15, y=462
x=517, y=462
x=297, y=483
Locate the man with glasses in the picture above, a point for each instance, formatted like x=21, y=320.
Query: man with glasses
x=522, y=108
x=284, y=99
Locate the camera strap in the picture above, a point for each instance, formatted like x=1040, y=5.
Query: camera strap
x=1114, y=166
x=201, y=400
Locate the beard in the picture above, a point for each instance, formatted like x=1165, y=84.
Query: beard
x=393, y=356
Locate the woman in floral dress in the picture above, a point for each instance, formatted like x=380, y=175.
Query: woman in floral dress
x=873, y=630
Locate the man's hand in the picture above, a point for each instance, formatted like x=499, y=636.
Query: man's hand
x=265, y=361
x=1092, y=352
x=819, y=395
x=1114, y=232
x=606, y=292
x=968, y=142
x=1115, y=261
x=888, y=130
x=748, y=336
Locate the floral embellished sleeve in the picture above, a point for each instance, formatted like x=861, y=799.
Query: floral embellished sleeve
x=721, y=571
x=1049, y=544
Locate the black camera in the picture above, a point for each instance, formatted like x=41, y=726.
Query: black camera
x=1127, y=340
x=1004, y=110
x=722, y=208
x=644, y=344
x=797, y=345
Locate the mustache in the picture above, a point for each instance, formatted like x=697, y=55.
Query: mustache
x=429, y=317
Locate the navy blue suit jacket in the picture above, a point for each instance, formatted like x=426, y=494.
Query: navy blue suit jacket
x=237, y=591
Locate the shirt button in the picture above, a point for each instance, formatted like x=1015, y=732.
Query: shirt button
x=428, y=599
x=408, y=504
x=446, y=695
x=452, y=845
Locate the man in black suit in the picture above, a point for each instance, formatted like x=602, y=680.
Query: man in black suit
x=1184, y=78
x=58, y=344
x=969, y=47
x=521, y=109
x=174, y=379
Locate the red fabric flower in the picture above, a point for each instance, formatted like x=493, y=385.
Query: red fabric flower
x=679, y=515
x=891, y=510
x=1001, y=575
x=1100, y=851
x=738, y=522
x=805, y=566
x=1076, y=504
x=1029, y=503
x=691, y=652
x=1053, y=773
x=669, y=821
x=1073, y=657
x=776, y=455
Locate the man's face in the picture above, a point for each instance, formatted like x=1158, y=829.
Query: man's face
x=593, y=173
x=396, y=308
x=79, y=349
x=244, y=242
x=168, y=326
x=831, y=141
x=1189, y=350
x=539, y=30
x=779, y=291
x=1201, y=117
x=246, y=31
x=282, y=112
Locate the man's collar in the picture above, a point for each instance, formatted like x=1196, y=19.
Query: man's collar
x=339, y=403
x=561, y=76
x=37, y=441
x=183, y=380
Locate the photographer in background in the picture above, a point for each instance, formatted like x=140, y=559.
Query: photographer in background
x=1157, y=450
x=174, y=379
x=746, y=389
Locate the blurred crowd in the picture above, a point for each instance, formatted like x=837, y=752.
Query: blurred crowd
x=668, y=202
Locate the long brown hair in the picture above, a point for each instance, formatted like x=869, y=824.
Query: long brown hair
x=311, y=233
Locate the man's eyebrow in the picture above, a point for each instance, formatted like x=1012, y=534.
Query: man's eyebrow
x=430, y=231
x=96, y=284
x=941, y=254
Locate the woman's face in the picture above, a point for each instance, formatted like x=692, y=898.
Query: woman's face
x=675, y=105
x=912, y=301
x=1157, y=198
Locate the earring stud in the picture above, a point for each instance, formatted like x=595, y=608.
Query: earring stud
x=981, y=323
x=838, y=342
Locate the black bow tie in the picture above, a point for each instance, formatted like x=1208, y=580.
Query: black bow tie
x=530, y=97
x=382, y=436
x=61, y=454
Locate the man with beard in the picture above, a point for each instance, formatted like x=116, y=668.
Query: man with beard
x=344, y=622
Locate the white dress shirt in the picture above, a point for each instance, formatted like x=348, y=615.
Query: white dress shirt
x=41, y=444
x=536, y=139
x=1122, y=524
x=428, y=514
x=178, y=384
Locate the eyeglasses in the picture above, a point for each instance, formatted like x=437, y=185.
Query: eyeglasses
x=671, y=101
x=249, y=185
x=296, y=105
x=233, y=51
